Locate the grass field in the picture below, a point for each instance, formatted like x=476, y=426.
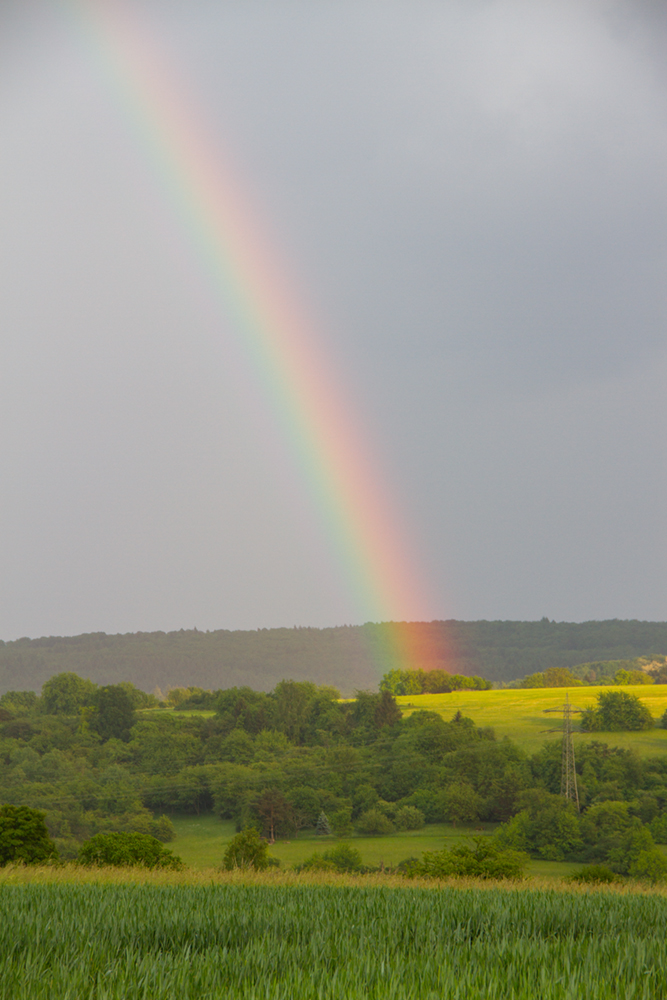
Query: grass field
x=332, y=942
x=520, y=713
x=201, y=841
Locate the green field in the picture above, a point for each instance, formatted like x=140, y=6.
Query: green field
x=142, y=942
x=201, y=841
x=520, y=713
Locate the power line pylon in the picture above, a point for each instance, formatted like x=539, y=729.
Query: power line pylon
x=568, y=774
x=568, y=777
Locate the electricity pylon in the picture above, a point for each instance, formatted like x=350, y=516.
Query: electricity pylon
x=568, y=774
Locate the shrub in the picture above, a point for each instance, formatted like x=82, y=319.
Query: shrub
x=485, y=859
x=24, y=837
x=374, y=821
x=594, y=875
x=341, y=858
x=122, y=849
x=248, y=850
x=409, y=818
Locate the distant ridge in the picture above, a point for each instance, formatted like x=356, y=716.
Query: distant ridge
x=348, y=657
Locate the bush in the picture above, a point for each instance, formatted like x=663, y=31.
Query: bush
x=594, y=875
x=248, y=850
x=485, y=859
x=127, y=849
x=24, y=837
x=342, y=858
x=616, y=711
x=409, y=818
x=374, y=821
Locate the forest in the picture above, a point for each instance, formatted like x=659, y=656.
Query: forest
x=349, y=657
x=101, y=759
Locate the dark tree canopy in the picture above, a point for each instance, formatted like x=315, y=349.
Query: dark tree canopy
x=114, y=715
x=24, y=837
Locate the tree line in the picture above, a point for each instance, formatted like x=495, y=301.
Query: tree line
x=347, y=657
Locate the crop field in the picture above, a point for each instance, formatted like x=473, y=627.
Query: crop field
x=147, y=942
x=520, y=713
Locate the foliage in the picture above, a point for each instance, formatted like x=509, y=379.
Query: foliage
x=484, y=859
x=547, y=826
x=374, y=821
x=323, y=827
x=632, y=677
x=248, y=850
x=24, y=837
x=616, y=711
x=114, y=715
x=550, y=678
x=409, y=818
x=341, y=858
x=401, y=682
x=131, y=849
x=345, y=656
x=595, y=875
x=66, y=693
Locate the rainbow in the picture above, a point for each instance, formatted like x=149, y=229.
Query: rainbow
x=270, y=322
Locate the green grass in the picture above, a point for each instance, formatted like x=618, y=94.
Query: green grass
x=520, y=713
x=145, y=942
x=201, y=841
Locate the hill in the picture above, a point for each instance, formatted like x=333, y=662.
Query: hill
x=348, y=657
x=530, y=716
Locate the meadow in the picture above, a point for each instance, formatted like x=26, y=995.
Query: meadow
x=201, y=842
x=280, y=942
x=527, y=715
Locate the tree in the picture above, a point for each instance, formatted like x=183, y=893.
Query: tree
x=293, y=700
x=123, y=849
x=616, y=711
x=247, y=850
x=462, y=803
x=275, y=813
x=387, y=712
x=66, y=693
x=114, y=716
x=548, y=826
x=24, y=837
x=323, y=827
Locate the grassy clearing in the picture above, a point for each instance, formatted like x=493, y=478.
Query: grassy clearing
x=520, y=714
x=201, y=841
x=288, y=942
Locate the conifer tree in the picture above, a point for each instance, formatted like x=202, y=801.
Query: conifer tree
x=323, y=827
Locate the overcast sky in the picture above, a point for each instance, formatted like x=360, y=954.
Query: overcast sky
x=471, y=198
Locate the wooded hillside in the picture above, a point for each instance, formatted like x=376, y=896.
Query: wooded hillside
x=347, y=657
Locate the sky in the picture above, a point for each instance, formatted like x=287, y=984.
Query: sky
x=469, y=202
